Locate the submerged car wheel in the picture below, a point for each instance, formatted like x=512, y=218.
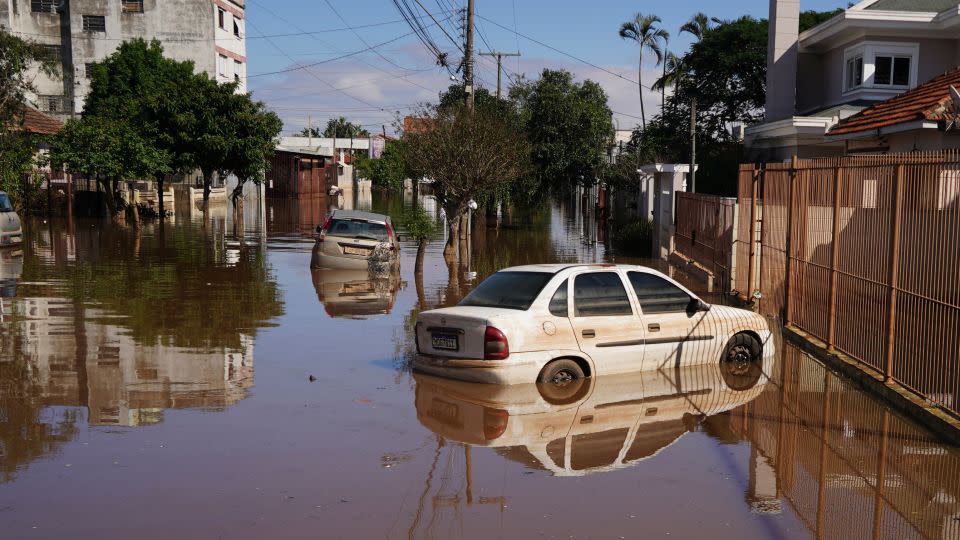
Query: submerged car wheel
x=741, y=366
x=562, y=382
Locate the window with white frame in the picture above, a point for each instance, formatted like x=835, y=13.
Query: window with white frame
x=223, y=65
x=237, y=70
x=880, y=66
x=892, y=70
x=854, y=73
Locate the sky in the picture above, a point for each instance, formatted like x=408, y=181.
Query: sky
x=306, y=42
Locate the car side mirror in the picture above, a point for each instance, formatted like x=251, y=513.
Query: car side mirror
x=696, y=305
x=319, y=229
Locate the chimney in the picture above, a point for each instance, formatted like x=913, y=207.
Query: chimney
x=782, y=45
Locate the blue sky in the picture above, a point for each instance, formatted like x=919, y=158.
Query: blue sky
x=371, y=88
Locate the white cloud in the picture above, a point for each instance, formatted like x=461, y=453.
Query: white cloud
x=372, y=96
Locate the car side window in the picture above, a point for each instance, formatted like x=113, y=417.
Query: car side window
x=600, y=294
x=558, y=304
x=657, y=295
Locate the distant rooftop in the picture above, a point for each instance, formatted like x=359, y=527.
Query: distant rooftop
x=927, y=6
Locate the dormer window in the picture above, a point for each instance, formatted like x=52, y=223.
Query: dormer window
x=854, y=72
x=879, y=68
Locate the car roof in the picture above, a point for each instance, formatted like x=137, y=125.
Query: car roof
x=358, y=214
x=558, y=267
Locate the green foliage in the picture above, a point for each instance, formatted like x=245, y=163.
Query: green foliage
x=645, y=31
x=138, y=85
x=634, y=239
x=341, y=127
x=390, y=169
x=17, y=56
x=568, y=126
x=17, y=162
x=418, y=224
x=809, y=19
x=254, y=130
x=311, y=132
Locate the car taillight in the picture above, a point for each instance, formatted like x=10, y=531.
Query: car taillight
x=323, y=231
x=495, y=346
x=389, y=230
x=494, y=423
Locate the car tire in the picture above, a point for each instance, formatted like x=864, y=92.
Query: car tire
x=741, y=365
x=562, y=382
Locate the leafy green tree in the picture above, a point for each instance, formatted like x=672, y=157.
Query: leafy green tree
x=467, y=154
x=644, y=30
x=255, y=130
x=137, y=84
x=311, y=132
x=17, y=148
x=213, y=109
x=390, y=169
x=568, y=125
x=341, y=127
x=107, y=150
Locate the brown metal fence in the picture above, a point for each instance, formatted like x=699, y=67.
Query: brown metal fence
x=864, y=254
x=705, y=232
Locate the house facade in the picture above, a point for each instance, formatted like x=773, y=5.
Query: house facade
x=872, y=52
x=210, y=33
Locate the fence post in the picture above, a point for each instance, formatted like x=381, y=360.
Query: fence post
x=788, y=266
x=834, y=258
x=894, y=269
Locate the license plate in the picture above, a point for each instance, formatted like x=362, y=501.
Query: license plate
x=15, y=239
x=356, y=251
x=447, y=413
x=445, y=342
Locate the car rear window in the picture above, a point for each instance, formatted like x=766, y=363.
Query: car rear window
x=510, y=290
x=358, y=228
x=5, y=205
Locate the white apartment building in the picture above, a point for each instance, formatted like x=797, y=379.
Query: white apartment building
x=210, y=33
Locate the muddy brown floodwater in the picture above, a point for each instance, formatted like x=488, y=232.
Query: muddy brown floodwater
x=155, y=384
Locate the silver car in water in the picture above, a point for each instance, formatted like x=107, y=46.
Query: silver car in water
x=11, y=230
x=350, y=238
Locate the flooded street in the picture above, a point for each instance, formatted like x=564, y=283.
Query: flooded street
x=157, y=384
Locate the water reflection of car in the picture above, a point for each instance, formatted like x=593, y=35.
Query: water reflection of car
x=11, y=267
x=350, y=238
x=356, y=294
x=613, y=422
x=562, y=323
x=11, y=231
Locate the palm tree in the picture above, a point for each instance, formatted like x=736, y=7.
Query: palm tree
x=643, y=29
x=673, y=73
x=697, y=26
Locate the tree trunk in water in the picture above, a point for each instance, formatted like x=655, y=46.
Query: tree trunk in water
x=453, y=284
x=453, y=236
x=237, y=197
x=418, y=274
x=160, y=196
x=207, y=180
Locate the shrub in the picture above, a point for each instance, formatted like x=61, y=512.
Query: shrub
x=634, y=239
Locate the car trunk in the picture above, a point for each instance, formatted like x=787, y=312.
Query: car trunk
x=354, y=248
x=455, y=336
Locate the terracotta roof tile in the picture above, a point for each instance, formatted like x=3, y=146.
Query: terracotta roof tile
x=929, y=101
x=35, y=121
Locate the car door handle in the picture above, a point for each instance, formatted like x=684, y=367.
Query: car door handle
x=589, y=333
x=653, y=327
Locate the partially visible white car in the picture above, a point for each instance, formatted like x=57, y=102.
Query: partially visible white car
x=11, y=230
x=560, y=323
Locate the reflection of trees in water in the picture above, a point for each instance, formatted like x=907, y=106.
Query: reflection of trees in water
x=28, y=430
x=173, y=285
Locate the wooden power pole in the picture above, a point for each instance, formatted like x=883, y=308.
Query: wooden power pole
x=468, y=57
x=499, y=56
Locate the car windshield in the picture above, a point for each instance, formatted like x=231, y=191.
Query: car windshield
x=358, y=228
x=5, y=205
x=510, y=290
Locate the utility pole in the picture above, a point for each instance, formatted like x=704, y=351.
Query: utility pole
x=468, y=57
x=499, y=56
x=693, y=145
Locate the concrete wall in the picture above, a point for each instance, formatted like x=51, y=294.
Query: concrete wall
x=782, y=59
x=188, y=30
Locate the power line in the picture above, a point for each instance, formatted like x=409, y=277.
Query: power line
x=378, y=53
x=341, y=57
x=569, y=55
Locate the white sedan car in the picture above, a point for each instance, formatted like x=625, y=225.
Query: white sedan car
x=559, y=323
